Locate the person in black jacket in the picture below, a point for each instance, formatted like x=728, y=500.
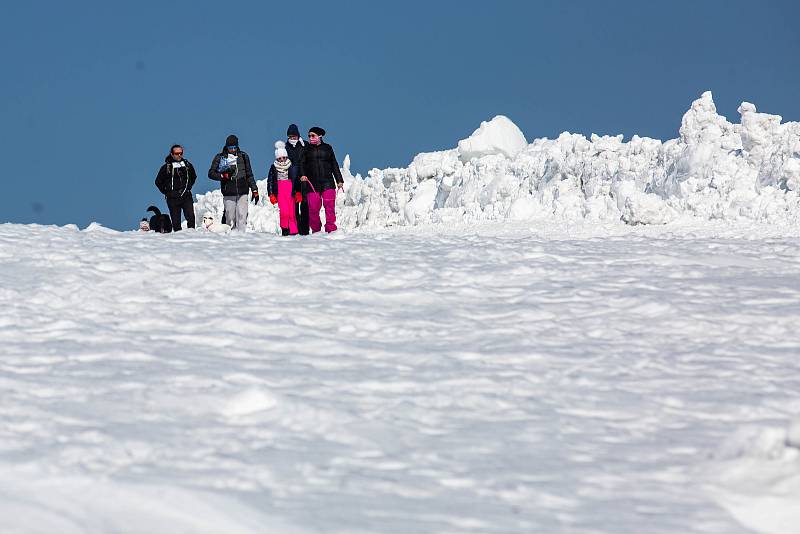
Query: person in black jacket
x=319, y=170
x=232, y=169
x=175, y=180
x=295, y=146
x=294, y=143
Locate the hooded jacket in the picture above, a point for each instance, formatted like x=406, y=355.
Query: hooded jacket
x=175, y=178
x=241, y=179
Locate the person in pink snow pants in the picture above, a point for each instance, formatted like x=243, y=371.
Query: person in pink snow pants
x=320, y=170
x=283, y=188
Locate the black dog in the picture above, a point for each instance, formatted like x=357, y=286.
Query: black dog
x=160, y=222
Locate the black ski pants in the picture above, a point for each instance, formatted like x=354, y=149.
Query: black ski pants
x=175, y=206
x=302, y=217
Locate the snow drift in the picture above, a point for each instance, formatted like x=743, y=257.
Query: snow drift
x=756, y=477
x=714, y=170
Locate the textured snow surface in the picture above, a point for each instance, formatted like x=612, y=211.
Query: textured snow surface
x=758, y=477
x=714, y=170
x=527, y=377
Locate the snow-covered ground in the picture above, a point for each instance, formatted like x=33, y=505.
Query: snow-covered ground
x=505, y=377
x=570, y=335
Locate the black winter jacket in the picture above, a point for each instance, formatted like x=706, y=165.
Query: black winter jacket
x=319, y=164
x=174, y=182
x=241, y=181
x=295, y=153
x=272, y=180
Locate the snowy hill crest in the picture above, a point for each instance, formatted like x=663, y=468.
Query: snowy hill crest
x=714, y=170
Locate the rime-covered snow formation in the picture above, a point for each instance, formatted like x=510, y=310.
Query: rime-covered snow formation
x=715, y=170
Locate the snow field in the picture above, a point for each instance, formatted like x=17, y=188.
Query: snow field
x=523, y=377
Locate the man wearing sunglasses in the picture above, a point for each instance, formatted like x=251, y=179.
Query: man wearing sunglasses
x=232, y=169
x=175, y=180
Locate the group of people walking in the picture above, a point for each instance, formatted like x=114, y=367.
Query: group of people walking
x=303, y=178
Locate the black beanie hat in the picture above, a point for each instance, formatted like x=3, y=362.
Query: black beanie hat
x=293, y=130
x=232, y=140
x=317, y=130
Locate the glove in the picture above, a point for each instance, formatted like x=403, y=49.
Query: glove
x=273, y=199
x=298, y=197
x=225, y=176
x=255, y=197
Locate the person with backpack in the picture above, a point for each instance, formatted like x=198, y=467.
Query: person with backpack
x=283, y=188
x=175, y=180
x=295, y=146
x=320, y=171
x=232, y=169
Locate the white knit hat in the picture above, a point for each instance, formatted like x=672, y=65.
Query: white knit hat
x=280, y=150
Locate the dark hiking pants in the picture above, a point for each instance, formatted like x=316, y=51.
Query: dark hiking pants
x=176, y=205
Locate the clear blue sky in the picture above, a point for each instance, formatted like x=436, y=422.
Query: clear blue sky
x=94, y=93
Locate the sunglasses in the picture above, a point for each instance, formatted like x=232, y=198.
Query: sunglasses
x=232, y=147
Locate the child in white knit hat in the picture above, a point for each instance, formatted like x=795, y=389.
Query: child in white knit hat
x=283, y=187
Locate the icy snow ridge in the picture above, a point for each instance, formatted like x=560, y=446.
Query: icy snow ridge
x=498, y=136
x=714, y=170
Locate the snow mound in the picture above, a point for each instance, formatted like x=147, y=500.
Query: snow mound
x=96, y=227
x=72, y=504
x=498, y=136
x=248, y=402
x=714, y=170
x=756, y=477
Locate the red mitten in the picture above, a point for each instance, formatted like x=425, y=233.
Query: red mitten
x=298, y=197
x=225, y=176
x=273, y=199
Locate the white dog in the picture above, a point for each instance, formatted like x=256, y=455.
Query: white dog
x=210, y=224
